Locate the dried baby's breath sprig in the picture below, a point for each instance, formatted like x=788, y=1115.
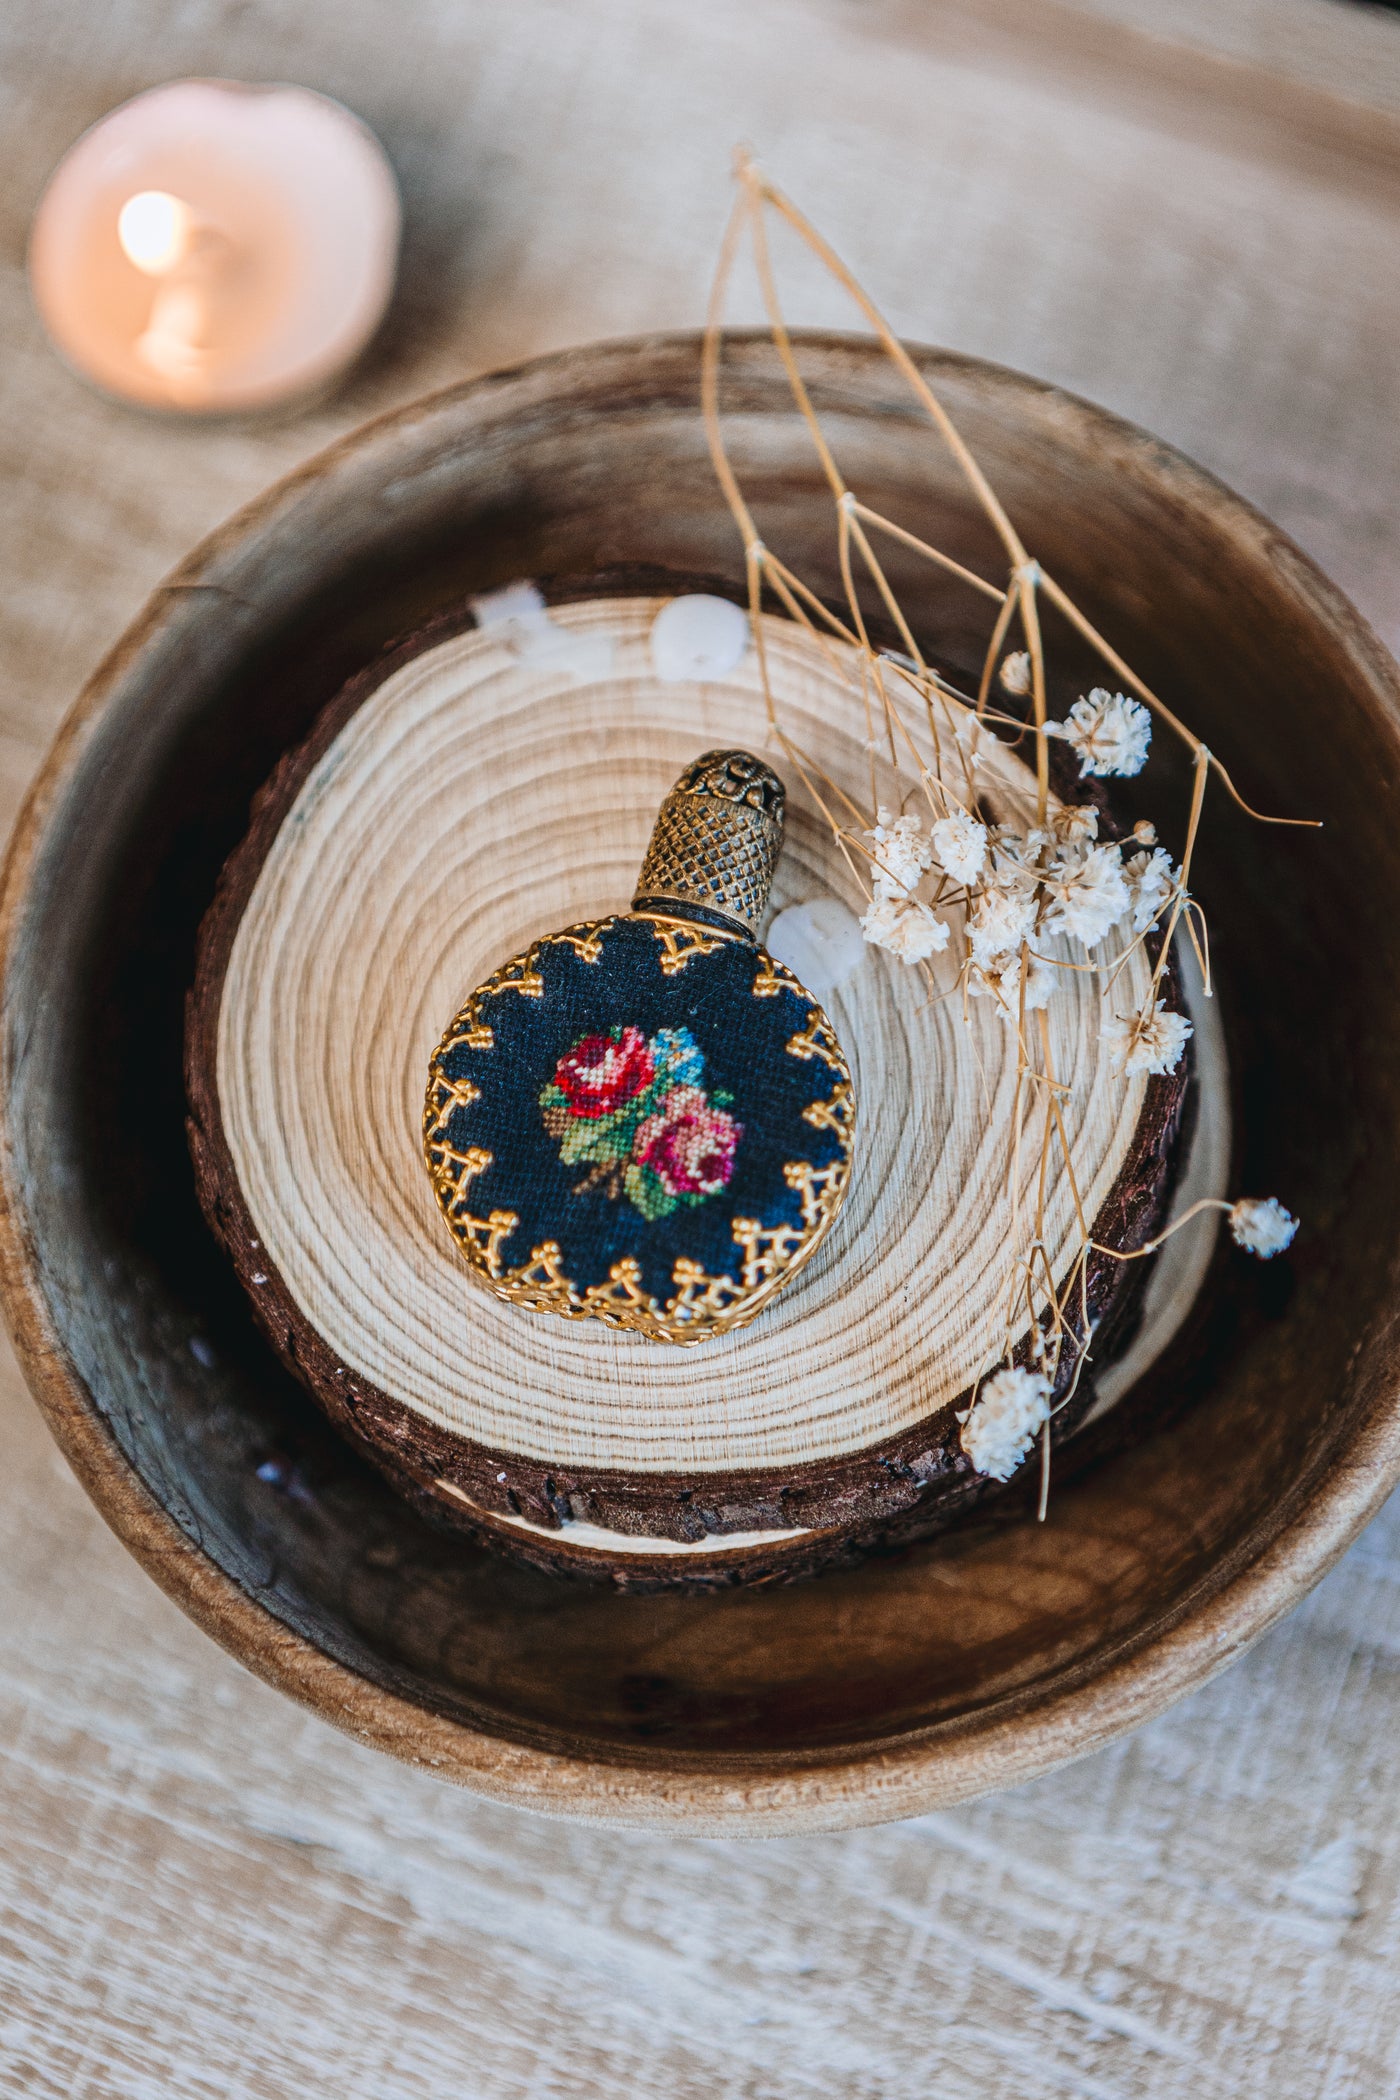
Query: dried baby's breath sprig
x=1152, y=880
x=1016, y=672
x=1147, y=1042
x=896, y=919
x=905, y=928
x=960, y=846
x=1108, y=733
x=901, y=853
x=1258, y=1224
x=1262, y=1226
x=1085, y=891
x=1000, y=1425
x=1028, y=903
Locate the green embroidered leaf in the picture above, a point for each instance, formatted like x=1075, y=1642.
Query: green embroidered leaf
x=649, y=1193
x=646, y=1103
x=608, y=1139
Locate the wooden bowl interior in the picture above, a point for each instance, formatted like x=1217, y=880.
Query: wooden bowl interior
x=578, y=465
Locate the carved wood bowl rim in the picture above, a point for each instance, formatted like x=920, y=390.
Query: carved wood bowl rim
x=1338, y=1487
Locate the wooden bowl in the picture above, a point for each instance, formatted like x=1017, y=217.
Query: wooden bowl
x=1263, y=1441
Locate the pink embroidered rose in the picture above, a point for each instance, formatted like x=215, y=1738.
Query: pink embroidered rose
x=603, y=1072
x=688, y=1144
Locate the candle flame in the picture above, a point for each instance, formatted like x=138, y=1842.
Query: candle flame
x=154, y=229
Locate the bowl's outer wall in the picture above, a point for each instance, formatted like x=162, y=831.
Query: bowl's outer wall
x=1265, y=1441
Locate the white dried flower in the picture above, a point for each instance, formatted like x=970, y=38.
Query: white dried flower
x=998, y=1427
x=1147, y=1042
x=1109, y=733
x=1016, y=672
x=960, y=843
x=1087, y=892
x=1151, y=880
x=999, y=978
x=1145, y=832
x=1076, y=823
x=1017, y=853
x=906, y=928
x=1040, y=984
x=1262, y=1226
x=901, y=856
x=1000, y=919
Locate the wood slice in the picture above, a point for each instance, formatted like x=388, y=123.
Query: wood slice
x=471, y=791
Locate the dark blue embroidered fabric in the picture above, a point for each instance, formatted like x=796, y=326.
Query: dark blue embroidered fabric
x=633, y=1113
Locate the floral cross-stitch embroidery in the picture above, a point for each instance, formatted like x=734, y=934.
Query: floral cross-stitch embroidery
x=636, y=1113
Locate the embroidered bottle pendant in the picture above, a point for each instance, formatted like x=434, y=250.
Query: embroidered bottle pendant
x=645, y=1119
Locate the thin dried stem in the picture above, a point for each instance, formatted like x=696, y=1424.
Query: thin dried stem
x=1202, y=1203
x=1159, y=707
x=1039, y=1310
x=1010, y=602
x=910, y=539
x=903, y=362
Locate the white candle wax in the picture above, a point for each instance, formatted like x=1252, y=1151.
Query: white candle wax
x=211, y=247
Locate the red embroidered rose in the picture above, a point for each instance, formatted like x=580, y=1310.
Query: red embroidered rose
x=688, y=1143
x=603, y=1072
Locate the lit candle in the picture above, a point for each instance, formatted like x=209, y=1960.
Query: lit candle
x=210, y=247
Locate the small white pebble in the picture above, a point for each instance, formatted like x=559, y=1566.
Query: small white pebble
x=523, y=602
x=518, y=614
x=500, y=1476
x=258, y=1276
x=820, y=942
x=698, y=637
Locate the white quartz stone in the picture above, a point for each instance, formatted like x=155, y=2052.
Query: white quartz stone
x=821, y=942
x=698, y=637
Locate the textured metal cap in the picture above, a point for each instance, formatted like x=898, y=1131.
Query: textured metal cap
x=716, y=843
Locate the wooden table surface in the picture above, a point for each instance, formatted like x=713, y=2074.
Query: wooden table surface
x=203, y=1891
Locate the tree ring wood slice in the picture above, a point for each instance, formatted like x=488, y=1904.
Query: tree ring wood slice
x=471, y=791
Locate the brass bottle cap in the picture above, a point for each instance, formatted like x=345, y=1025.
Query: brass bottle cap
x=715, y=844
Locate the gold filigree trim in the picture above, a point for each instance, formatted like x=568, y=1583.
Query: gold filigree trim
x=818, y=1039
x=836, y=1114
x=620, y=1301
x=458, y=1169
x=541, y=1285
x=452, y=1094
x=586, y=942
x=483, y=1238
x=681, y=943
x=476, y=1036
x=701, y=1305
x=526, y=980
x=820, y=1188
